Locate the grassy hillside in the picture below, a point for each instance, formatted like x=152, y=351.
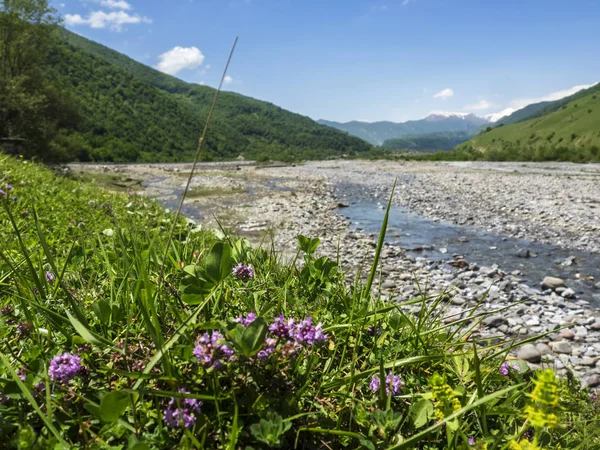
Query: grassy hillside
x=131, y=112
x=570, y=133
x=540, y=109
x=101, y=351
x=428, y=142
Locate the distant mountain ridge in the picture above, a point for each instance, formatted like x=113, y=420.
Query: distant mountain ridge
x=429, y=142
x=377, y=133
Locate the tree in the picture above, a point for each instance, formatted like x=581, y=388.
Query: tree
x=27, y=30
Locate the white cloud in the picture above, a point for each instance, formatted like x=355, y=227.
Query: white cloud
x=557, y=95
x=179, y=58
x=444, y=94
x=101, y=19
x=481, y=105
x=116, y=4
x=227, y=79
x=499, y=115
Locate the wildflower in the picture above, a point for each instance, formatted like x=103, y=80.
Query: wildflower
x=211, y=352
x=504, y=369
x=268, y=348
x=524, y=444
x=393, y=383
x=471, y=440
x=242, y=272
x=7, y=310
x=306, y=333
x=15, y=198
x=181, y=412
x=24, y=329
x=281, y=328
x=593, y=396
x=444, y=397
x=50, y=277
x=2, y=193
x=246, y=320
x=26, y=213
x=9, y=187
x=64, y=367
x=545, y=400
x=39, y=389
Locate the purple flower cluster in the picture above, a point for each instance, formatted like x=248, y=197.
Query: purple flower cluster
x=303, y=332
x=246, y=320
x=242, y=272
x=64, y=367
x=393, y=383
x=50, y=277
x=211, y=350
x=471, y=440
x=306, y=333
x=182, y=411
x=268, y=348
x=2, y=193
x=505, y=368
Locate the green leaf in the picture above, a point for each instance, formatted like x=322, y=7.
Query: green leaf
x=86, y=334
x=218, y=262
x=421, y=413
x=102, y=310
x=113, y=405
x=253, y=337
x=308, y=245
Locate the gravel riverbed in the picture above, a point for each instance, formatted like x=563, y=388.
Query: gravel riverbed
x=557, y=204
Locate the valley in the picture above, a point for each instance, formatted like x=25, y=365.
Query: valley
x=448, y=232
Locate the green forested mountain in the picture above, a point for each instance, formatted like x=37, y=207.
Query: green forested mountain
x=121, y=110
x=570, y=133
x=428, y=142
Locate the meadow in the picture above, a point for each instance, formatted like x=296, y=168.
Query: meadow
x=116, y=337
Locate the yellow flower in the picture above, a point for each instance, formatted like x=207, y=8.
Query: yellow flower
x=524, y=444
x=546, y=389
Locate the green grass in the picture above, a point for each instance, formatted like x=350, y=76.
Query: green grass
x=572, y=133
x=135, y=334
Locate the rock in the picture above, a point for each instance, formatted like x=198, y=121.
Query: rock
x=566, y=334
x=552, y=283
x=544, y=349
x=562, y=347
x=568, y=293
x=343, y=205
x=495, y=321
x=588, y=361
x=523, y=253
x=597, y=286
x=389, y=284
x=456, y=300
x=593, y=381
x=529, y=352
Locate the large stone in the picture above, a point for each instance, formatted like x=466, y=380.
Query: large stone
x=566, y=334
x=552, y=283
x=495, y=321
x=593, y=381
x=523, y=253
x=544, y=349
x=389, y=284
x=529, y=352
x=568, y=293
x=562, y=347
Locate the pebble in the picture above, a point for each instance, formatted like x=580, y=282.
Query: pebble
x=529, y=352
x=562, y=347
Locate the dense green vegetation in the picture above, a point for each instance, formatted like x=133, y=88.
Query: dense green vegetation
x=94, y=104
x=428, y=142
x=379, y=132
x=100, y=351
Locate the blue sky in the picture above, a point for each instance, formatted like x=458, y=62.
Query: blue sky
x=360, y=59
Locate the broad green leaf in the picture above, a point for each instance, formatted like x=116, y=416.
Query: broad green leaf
x=421, y=413
x=113, y=405
x=218, y=262
x=254, y=336
x=102, y=310
x=86, y=334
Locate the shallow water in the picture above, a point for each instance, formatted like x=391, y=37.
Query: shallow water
x=412, y=231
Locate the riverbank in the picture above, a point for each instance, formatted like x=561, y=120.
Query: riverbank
x=509, y=200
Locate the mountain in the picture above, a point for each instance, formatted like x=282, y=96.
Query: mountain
x=445, y=140
x=539, y=109
x=131, y=112
x=571, y=132
x=378, y=132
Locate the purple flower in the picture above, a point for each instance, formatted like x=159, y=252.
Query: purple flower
x=9, y=187
x=63, y=368
x=393, y=383
x=181, y=411
x=268, y=348
x=471, y=441
x=211, y=351
x=246, y=320
x=26, y=213
x=504, y=368
x=306, y=333
x=50, y=277
x=2, y=193
x=281, y=328
x=242, y=272
x=15, y=198
x=593, y=396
